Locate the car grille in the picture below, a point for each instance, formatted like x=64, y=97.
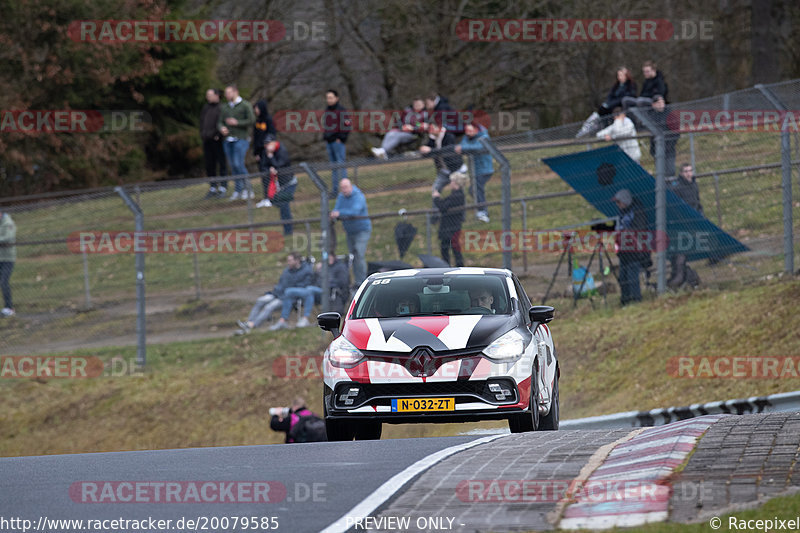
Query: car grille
x=464, y=391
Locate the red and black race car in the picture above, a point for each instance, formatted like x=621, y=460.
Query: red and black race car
x=439, y=345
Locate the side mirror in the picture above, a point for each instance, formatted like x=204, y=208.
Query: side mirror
x=541, y=314
x=330, y=322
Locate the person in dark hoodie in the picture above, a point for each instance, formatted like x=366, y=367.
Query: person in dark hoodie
x=632, y=257
x=213, y=154
x=685, y=187
x=276, y=167
x=653, y=84
x=438, y=110
x=263, y=129
x=336, y=126
x=624, y=86
x=451, y=211
x=441, y=146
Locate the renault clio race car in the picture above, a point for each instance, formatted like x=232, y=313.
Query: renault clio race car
x=439, y=345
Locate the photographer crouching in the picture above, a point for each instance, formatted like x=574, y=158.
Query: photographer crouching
x=298, y=422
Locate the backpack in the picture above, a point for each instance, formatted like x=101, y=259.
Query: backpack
x=310, y=428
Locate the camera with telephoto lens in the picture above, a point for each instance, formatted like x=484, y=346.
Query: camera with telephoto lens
x=281, y=412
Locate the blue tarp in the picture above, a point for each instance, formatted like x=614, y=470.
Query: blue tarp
x=597, y=175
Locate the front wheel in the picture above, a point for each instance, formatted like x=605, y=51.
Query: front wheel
x=524, y=422
x=338, y=430
x=550, y=422
x=368, y=430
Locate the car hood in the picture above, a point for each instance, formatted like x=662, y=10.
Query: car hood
x=440, y=333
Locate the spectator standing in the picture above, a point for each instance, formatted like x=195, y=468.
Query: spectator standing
x=296, y=274
x=336, y=126
x=351, y=206
x=441, y=146
x=276, y=167
x=685, y=186
x=213, y=153
x=658, y=114
x=653, y=84
x=263, y=129
x=632, y=220
x=451, y=211
x=483, y=165
x=8, y=256
x=624, y=86
x=235, y=120
x=620, y=128
x=413, y=118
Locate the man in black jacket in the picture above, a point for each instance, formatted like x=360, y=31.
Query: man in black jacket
x=659, y=114
x=653, y=84
x=276, y=167
x=685, y=186
x=632, y=252
x=213, y=154
x=336, y=125
x=441, y=145
x=451, y=211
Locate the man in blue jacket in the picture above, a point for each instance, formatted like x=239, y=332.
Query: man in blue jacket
x=351, y=207
x=482, y=161
x=296, y=275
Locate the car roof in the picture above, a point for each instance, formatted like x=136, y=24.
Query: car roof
x=454, y=271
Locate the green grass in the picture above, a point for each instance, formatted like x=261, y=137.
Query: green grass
x=217, y=392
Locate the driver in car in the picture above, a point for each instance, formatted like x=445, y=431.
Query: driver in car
x=407, y=306
x=482, y=298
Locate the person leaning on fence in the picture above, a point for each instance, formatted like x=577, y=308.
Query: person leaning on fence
x=632, y=222
x=685, y=186
x=278, y=180
x=451, y=211
x=298, y=422
x=484, y=167
x=620, y=128
x=351, y=206
x=213, y=153
x=296, y=274
x=441, y=145
x=235, y=119
x=624, y=86
x=658, y=115
x=8, y=256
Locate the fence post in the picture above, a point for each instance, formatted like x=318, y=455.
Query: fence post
x=88, y=295
x=661, y=200
x=524, y=205
x=325, y=225
x=505, y=173
x=716, y=199
x=428, y=233
x=141, y=325
x=196, y=276
x=786, y=183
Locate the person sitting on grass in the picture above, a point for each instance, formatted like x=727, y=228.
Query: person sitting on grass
x=297, y=274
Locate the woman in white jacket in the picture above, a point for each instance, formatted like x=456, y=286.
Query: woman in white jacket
x=622, y=127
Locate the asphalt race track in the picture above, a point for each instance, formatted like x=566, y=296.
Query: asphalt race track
x=534, y=481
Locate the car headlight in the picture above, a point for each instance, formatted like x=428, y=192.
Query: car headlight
x=507, y=349
x=342, y=353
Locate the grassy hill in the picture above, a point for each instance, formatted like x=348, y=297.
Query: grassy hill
x=217, y=392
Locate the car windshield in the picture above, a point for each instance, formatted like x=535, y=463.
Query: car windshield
x=465, y=294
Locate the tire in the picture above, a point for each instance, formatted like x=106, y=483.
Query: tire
x=338, y=430
x=551, y=420
x=524, y=422
x=368, y=430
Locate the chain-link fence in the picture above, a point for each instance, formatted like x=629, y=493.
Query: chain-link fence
x=206, y=259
